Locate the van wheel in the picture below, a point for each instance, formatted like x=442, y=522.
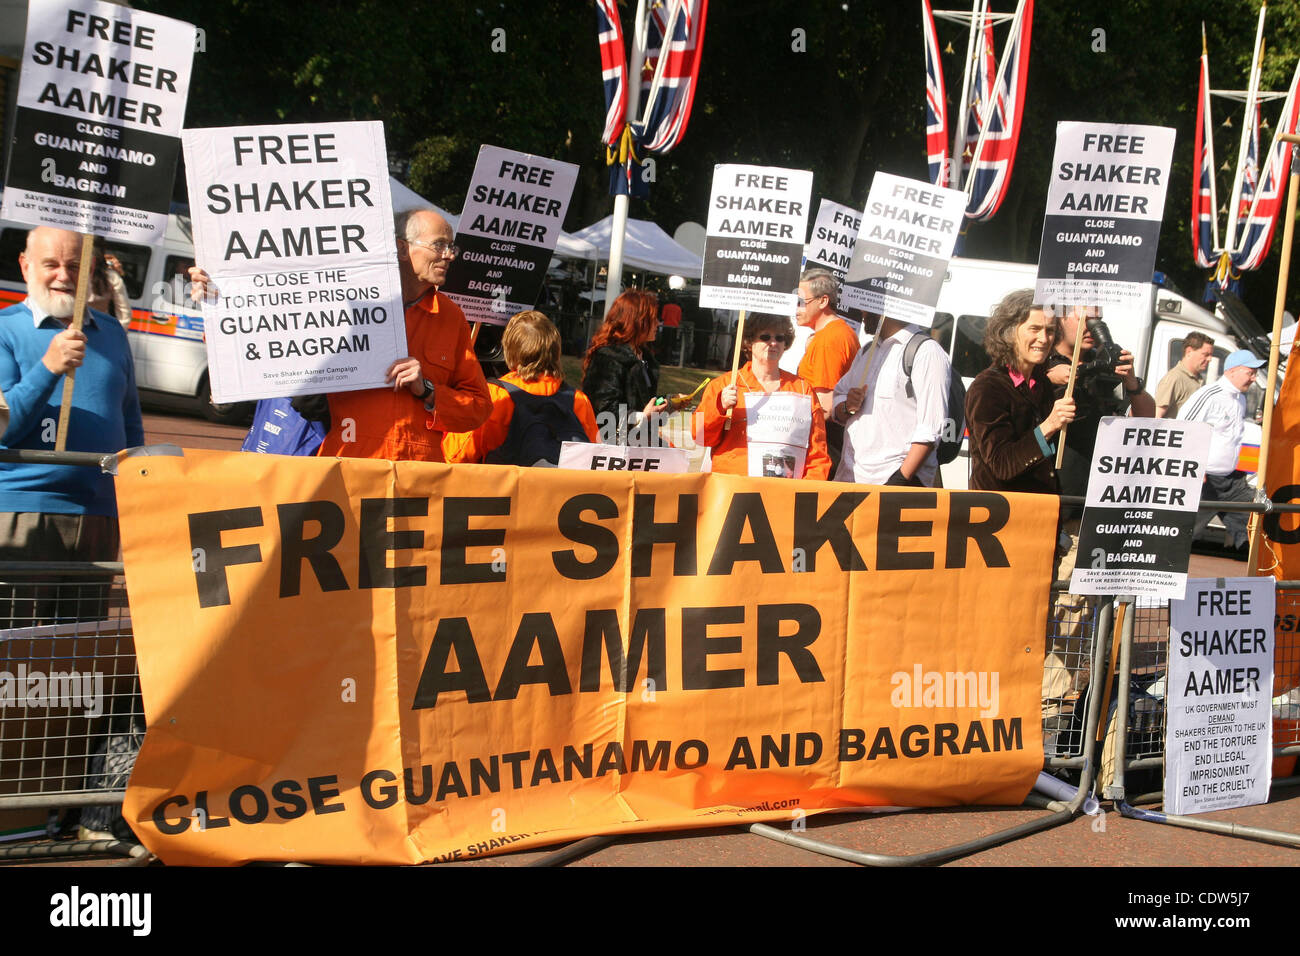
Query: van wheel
x=235, y=413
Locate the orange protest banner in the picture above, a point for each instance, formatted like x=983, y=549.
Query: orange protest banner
x=1279, y=554
x=365, y=662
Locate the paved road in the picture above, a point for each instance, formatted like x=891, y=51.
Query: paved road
x=190, y=432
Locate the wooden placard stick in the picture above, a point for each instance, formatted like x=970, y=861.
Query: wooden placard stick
x=735, y=363
x=473, y=333
x=1284, y=273
x=78, y=317
x=871, y=353
x=1079, y=329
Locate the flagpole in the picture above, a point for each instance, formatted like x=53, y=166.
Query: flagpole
x=618, y=226
x=959, y=134
x=1231, y=240
x=662, y=63
x=1284, y=270
x=1208, y=145
x=991, y=101
x=1287, y=107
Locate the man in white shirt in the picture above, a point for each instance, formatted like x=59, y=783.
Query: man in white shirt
x=1223, y=406
x=892, y=426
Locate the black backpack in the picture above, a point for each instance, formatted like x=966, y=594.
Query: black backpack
x=955, y=425
x=540, y=423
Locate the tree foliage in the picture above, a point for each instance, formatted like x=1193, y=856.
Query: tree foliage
x=835, y=86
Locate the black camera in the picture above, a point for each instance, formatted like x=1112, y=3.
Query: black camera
x=1097, y=375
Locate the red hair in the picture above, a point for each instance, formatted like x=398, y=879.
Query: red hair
x=632, y=320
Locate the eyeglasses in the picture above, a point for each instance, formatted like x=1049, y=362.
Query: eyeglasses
x=770, y=337
x=802, y=301
x=439, y=247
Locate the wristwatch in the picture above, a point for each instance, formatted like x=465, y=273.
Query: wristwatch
x=1133, y=391
x=427, y=395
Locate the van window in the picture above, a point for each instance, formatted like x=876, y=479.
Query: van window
x=968, y=356
x=12, y=242
x=135, y=265
x=134, y=259
x=941, y=331
x=1176, y=356
x=176, y=276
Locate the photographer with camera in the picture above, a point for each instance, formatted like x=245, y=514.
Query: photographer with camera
x=1104, y=385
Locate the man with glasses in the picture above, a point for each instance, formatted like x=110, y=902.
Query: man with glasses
x=437, y=388
x=831, y=349
x=1223, y=406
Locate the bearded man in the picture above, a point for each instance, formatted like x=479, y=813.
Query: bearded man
x=52, y=512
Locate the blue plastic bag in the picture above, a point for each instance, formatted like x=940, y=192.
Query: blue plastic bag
x=279, y=430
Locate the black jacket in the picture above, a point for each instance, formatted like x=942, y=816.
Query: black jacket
x=617, y=376
x=1004, y=451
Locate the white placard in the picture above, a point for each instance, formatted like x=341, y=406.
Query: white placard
x=1218, y=700
x=295, y=226
x=509, y=226
x=585, y=456
x=777, y=427
x=101, y=103
x=1104, y=206
x=758, y=216
x=833, y=234
x=1140, y=512
x=901, y=257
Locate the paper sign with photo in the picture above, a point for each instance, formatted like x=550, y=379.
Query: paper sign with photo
x=777, y=425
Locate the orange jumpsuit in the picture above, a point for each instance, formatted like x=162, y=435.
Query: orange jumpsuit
x=394, y=424
x=730, y=448
x=474, y=446
x=828, y=354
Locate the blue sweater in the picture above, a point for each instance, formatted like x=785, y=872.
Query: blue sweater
x=105, y=413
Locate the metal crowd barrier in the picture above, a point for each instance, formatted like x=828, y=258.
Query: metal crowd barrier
x=69, y=698
x=1075, y=665
x=70, y=709
x=1135, y=744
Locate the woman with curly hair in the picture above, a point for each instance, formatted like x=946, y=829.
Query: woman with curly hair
x=1011, y=410
x=765, y=340
x=620, y=373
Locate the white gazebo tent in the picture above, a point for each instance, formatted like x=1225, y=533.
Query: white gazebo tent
x=404, y=198
x=646, y=248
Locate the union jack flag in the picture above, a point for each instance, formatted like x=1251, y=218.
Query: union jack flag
x=1205, y=225
x=1267, y=203
x=669, y=87
x=1249, y=173
x=986, y=71
x=936, y=104
x=990, y=169
x=613, y=69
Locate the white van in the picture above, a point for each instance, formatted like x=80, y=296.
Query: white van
x=1153, y=332
x=165, y=332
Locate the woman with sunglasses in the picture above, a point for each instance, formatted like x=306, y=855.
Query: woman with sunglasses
x=765, y=340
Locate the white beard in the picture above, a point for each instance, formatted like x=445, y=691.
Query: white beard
x=57, y=304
